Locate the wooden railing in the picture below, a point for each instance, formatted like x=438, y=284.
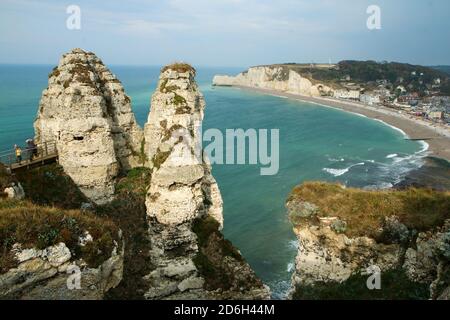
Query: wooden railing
x=41, y=153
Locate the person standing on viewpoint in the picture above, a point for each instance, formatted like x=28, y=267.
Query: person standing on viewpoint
x=18, y=151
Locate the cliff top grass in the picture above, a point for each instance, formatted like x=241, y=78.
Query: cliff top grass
x=364, y=211
x=35, y=226
x=129, y=212
x=179, y=67
x=49, y=186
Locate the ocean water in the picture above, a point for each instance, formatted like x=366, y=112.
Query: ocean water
x=316, y=143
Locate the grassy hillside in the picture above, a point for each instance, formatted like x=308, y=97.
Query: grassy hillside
x=364, y=211
x=35, y=226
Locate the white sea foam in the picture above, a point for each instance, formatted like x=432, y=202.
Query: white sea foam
x=293, y=244
x=393, y=127
x=340, y=172
x=379, y=186
x=275, y=95
x=390, y=156
x=336, y=160
x=290, y=267
x=425, y=146
x=280, y=289
x=336, y=172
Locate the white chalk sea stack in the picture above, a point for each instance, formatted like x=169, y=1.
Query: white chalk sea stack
x=87, y=113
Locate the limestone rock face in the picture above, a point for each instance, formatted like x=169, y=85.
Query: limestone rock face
x=182, y=187
x=15, y=191
x=326, y=255
x=429, y=261
x=86, y=112
x=182, y=191
x=274, y=78
x=50, y=274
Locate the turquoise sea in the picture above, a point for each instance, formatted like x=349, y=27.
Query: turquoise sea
x=316, y=143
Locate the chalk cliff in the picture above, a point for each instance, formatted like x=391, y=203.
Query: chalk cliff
x=170, y=212
x=87, y=113
x=279, y=78
x=184, y=205
x=336, y=248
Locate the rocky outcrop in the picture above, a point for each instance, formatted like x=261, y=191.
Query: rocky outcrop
x=183, y=194
x=86, y=112
x=182, y=186
x=328, y=256
x=278, y=78
x=53, y=274
x=15, y=191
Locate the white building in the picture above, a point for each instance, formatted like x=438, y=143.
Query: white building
x=347, y=94
x=369, y=99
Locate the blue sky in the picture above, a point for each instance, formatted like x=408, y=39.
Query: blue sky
x=226, y=32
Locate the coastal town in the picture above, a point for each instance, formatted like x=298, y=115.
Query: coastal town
x=426, y=103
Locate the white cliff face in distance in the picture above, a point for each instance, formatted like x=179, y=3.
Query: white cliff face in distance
x=276, y=78
x=87, y=113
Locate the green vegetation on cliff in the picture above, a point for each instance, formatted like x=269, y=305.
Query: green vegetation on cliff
x=179, y=67
x=36, y=226
x=128, y=211
x=366, y=72
x=218, y=259
x=395, y=285
x=364, y=211
x=49, y=186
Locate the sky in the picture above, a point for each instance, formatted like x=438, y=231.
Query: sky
x=238, y=33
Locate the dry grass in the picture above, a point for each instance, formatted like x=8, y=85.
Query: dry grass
x=49, y=186
x=36, y=226
x=179, y=67
x=420, y=209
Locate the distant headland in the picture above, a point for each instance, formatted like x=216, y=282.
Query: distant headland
x=415, y=99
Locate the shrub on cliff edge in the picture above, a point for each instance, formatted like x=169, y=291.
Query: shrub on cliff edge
x=35, y=226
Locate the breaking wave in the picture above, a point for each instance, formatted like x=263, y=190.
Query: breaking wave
x=340, y=172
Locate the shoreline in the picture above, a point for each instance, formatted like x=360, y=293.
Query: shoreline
x=437, y=139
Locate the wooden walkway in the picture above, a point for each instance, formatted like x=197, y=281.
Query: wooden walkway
x=44, y=153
